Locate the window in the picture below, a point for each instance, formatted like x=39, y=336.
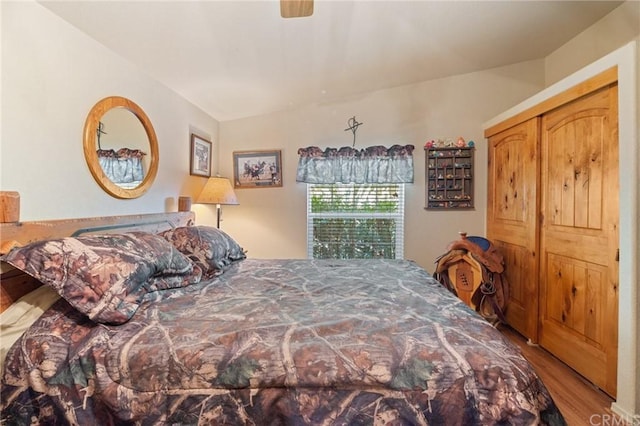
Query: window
x=355, y=221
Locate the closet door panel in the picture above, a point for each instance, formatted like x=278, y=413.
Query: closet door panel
x=511, y=218
x=579, y=236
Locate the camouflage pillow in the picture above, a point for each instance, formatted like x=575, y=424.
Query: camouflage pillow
x=106, y=276
x=210, y=248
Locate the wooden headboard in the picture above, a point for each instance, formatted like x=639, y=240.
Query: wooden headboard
x=14, y=283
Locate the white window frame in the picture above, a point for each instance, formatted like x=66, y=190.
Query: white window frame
x=397, y=216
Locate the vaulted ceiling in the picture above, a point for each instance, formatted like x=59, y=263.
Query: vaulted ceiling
x=237, y=58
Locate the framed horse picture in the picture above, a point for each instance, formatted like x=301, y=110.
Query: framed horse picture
x=257, y=169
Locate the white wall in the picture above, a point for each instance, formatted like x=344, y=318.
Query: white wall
x=611, y=32
x=52, y=75
x=272, y=222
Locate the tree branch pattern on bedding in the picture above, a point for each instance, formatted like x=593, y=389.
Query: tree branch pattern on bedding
x=278, y=342
x=106, y=276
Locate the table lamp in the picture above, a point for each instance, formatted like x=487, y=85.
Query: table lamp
x=218, y=191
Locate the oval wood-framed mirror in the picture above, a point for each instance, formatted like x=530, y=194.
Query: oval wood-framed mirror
x=92, y=131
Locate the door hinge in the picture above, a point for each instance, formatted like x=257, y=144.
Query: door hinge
x=618, y=255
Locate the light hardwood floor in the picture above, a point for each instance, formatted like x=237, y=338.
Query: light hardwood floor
x=580, y=402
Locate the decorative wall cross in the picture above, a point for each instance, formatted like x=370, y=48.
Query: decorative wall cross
x=353, y=126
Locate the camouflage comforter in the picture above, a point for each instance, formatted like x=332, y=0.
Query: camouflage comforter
x=274, y=342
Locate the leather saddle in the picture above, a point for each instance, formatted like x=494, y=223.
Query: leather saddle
x=472, y=269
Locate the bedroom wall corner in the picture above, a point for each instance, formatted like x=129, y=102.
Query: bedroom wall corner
x=52, y=74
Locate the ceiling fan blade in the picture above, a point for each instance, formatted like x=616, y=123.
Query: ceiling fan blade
x=296, y=8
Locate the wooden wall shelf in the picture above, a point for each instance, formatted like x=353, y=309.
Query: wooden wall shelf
x=449, y=178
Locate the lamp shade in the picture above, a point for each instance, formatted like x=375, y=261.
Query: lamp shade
x=218, y=190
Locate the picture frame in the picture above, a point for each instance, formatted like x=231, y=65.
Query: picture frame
x=257, y=169
x=200, y=156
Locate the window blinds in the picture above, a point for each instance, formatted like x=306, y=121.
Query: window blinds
x=355, y=221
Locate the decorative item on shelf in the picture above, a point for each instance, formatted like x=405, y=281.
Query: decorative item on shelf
x=446, y=143
x=218, y=191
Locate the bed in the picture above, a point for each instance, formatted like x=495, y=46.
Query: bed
x=177, y=326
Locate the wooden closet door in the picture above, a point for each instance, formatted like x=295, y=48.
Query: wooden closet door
x=579, y=236
x=512, y=218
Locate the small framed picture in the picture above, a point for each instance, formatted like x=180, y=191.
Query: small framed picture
x=257, y=169
x=200, y=158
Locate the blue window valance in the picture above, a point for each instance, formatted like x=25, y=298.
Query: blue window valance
x=375, y=164
x=122, y=167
